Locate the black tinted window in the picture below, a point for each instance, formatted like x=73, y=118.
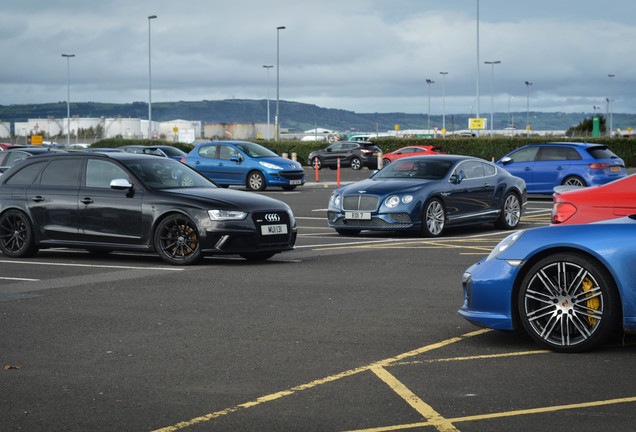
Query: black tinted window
x=100, y=173
x=601, y=153
x=26, y=175
x=61, y=172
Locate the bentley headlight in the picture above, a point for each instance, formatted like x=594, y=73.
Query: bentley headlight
x=505, y=244
x=224, y=215
x=334, y=201
x=406, y=199
x=392, y=201
x=270, y=166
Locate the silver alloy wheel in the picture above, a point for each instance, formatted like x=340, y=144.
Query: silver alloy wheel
x=255, y=181
x=356, y=163
x=512, y=210
x=563, y=305
x=573, y=181
x=434, y=217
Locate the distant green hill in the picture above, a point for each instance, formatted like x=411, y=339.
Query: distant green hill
x=293, y=115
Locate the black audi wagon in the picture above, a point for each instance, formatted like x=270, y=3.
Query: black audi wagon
x=121, y=201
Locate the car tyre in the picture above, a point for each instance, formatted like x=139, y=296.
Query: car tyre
x=433, y=218
x=568, y=302
x=510, y=215
x=317, y=163
x=573, y=181
x=16, y=235
x=386, y=161
x=256, y=181
x=176, y=240
x=356, y=163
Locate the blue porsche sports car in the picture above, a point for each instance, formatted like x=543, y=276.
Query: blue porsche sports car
x=570, y=287
x=429, y=193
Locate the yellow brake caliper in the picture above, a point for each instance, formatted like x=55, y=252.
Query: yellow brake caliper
x=593, y=303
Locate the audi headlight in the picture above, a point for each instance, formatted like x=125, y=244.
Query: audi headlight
x=224, y=215
x=270, y=166
x=392, y=201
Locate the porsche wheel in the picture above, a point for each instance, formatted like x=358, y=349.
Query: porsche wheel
x=568, y=302
x=177, y=240
x=433, y=218
x=16, y=235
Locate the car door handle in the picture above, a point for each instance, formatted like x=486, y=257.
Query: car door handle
x=87, y=200
x=38, y=198
x=527, y=169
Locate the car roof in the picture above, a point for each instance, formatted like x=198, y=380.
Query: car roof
x=572, y=144
x=35, y=150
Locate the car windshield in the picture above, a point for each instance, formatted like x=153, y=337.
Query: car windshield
x=255, y=150
x=165, y=173
x=172, y=151
x=419, y=169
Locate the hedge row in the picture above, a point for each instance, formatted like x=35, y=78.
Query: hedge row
x=482, y=147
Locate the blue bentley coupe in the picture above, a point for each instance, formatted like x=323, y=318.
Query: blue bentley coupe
x=429, y=193
x=570, y=287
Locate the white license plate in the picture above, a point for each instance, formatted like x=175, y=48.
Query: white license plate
x=273, y=229
x=358, y=215
x=295, y=182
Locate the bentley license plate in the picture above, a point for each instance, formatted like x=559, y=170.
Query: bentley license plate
x=273, y=229
x=358, y=215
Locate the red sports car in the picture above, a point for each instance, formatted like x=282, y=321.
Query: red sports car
x=591, y=204
x=411, y=151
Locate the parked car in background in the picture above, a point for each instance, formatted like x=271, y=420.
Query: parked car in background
x=7, y=146
x=104, y=150
x=544, y=166
x=353, y=154
x=570, y=287
x=120, y=201
x=428, y=194
x=244, y=163
x=158, y=150
x=10, y=157
x=576, y=205
x=410, y=151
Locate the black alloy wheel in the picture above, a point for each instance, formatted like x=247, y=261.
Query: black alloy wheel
x=16, y=235
x=177, y=240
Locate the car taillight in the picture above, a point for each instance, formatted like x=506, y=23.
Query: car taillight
x=562, y=212
x=598, y=165
x=183, y=160
x=366, y=151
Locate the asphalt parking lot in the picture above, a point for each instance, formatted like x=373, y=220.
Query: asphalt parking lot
x=342, y=334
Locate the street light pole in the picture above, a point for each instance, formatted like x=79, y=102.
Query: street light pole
x=278, y=29
x=492, y=93
x=528, y=84
x=611, y=104
x=268, y=67
x=68, y=97
x=151, y=17
x=443, y=74
x=429, y=82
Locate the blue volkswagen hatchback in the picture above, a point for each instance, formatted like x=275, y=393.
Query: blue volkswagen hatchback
x=544, y=166
x=244, y=163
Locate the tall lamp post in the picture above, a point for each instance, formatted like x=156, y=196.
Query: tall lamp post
x=611, y=103
x=429, y=82
x=268, y=67
x=443, y=74
x=68, y=97
x=150, y=18
x=528, y=84
x=278, y=29
x=492, y=93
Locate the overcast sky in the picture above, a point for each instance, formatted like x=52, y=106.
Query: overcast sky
x=360, y=55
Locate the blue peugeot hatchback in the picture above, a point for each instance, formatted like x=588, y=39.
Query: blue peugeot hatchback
x=544, y=166
x=244, y=163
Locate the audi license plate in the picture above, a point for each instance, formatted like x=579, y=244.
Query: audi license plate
x=615, y=169
x=358, y=215
x=295, y=182
x=274, y=229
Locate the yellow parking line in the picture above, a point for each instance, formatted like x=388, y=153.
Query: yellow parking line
x=433, y=417
x=278, y=395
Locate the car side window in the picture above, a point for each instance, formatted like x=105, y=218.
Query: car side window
x=472, y=169
x=100, y=173
x=336, y=147
x=14, y=157
x=489, y=170
x=208, y=152
x=572, y=154
x=26, y=175
x=553, y=154
x=525, y=155
x=61, y=172
x=227, y=152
